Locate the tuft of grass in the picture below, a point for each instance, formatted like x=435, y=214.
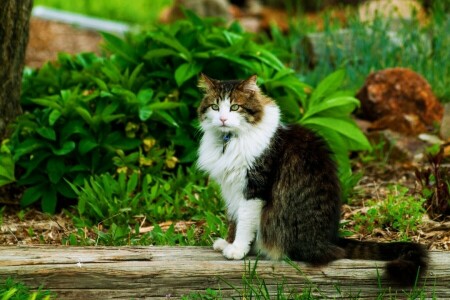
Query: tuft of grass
x=399, y=211
x=11, y=289
x=254, y=286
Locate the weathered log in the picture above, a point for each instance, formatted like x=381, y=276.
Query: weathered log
x=157, y=272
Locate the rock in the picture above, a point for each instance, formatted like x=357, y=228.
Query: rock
x=397, y=146
x=401, y=100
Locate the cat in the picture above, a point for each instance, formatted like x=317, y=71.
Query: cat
x=280, y=185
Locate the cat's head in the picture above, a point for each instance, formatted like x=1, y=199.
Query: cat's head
x=231, y=105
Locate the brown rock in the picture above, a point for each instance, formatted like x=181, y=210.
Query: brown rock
x=401, y=100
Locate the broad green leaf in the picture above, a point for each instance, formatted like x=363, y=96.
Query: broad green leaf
x=32, y=194
x=86, y=144
x=85, y=114
x=27, y=146
x=34, y=162
x=327, y=86
x=110, y=109
x=101, y=84
x=55, y=169
x=74, y=127
x=53, y=117
x=49, y=200
x=47, y=103
x=48, y=133
x=145, y=113
x=65, y=190
x=240, y=61
x=267, y=58
x=145, y=96
x=173, y=43
x=6, y=169
x=346, y=128
x=164, y=105
x=159, y=53
x=66, y=148
x=232, y=38
x=134, y=75
x=120, y=47
x=186, y=71
x=345, y=105
x=167, y=117
x=132, y=183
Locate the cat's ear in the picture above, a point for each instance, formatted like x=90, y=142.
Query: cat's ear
x=250, y=84
x=206, y=83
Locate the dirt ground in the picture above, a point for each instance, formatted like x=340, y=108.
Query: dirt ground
x=19, y=227
x=47, y=39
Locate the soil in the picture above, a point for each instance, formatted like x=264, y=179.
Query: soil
x=25, y=227
x=47, y=39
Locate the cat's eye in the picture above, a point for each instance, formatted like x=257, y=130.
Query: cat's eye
x=234, y=107
x=215, y=107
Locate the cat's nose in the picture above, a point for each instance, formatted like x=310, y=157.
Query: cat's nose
x=223, y=120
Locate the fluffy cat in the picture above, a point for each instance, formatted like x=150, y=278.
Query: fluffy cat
x=280, y=184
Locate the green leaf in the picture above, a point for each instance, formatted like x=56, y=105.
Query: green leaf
x=327, y=86
x=171, y=42
x=120, y=47
x=27, y=146
x=145, y=96
x=145, y=113
x=164, y=105
x=101, y=84
x=53, y=117
x=132, y=183
x=47, y=103
x=6, y=168
x=160, y=53
x=346, y=128
x=48, y=202
x=186, y=71
x=85, y=114
x=343, y=105
x=74, y=127
x=32, y=194
x=167, y=118
x=48, y=133
x=134, y=75
x=86, y=144
x=66, y=148
x=55, y=169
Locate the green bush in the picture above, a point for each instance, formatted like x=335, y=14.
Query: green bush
x=136, y=109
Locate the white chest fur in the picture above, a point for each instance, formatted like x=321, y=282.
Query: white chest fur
x=229, y=167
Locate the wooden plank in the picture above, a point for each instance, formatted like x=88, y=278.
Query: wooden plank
x=160, y=272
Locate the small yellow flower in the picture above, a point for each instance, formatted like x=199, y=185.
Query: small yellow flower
x=148, y=144
x=122, y=170
x=131, y=129
x=171, y=162
x=144, y=161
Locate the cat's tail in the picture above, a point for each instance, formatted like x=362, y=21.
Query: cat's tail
x=406, y=261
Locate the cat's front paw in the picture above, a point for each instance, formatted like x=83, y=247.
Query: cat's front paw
x=220, y=245
x=236, y=252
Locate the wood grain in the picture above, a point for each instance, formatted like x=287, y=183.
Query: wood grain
x=162, y=272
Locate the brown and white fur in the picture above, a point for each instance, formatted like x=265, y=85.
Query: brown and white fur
x=280, y=184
